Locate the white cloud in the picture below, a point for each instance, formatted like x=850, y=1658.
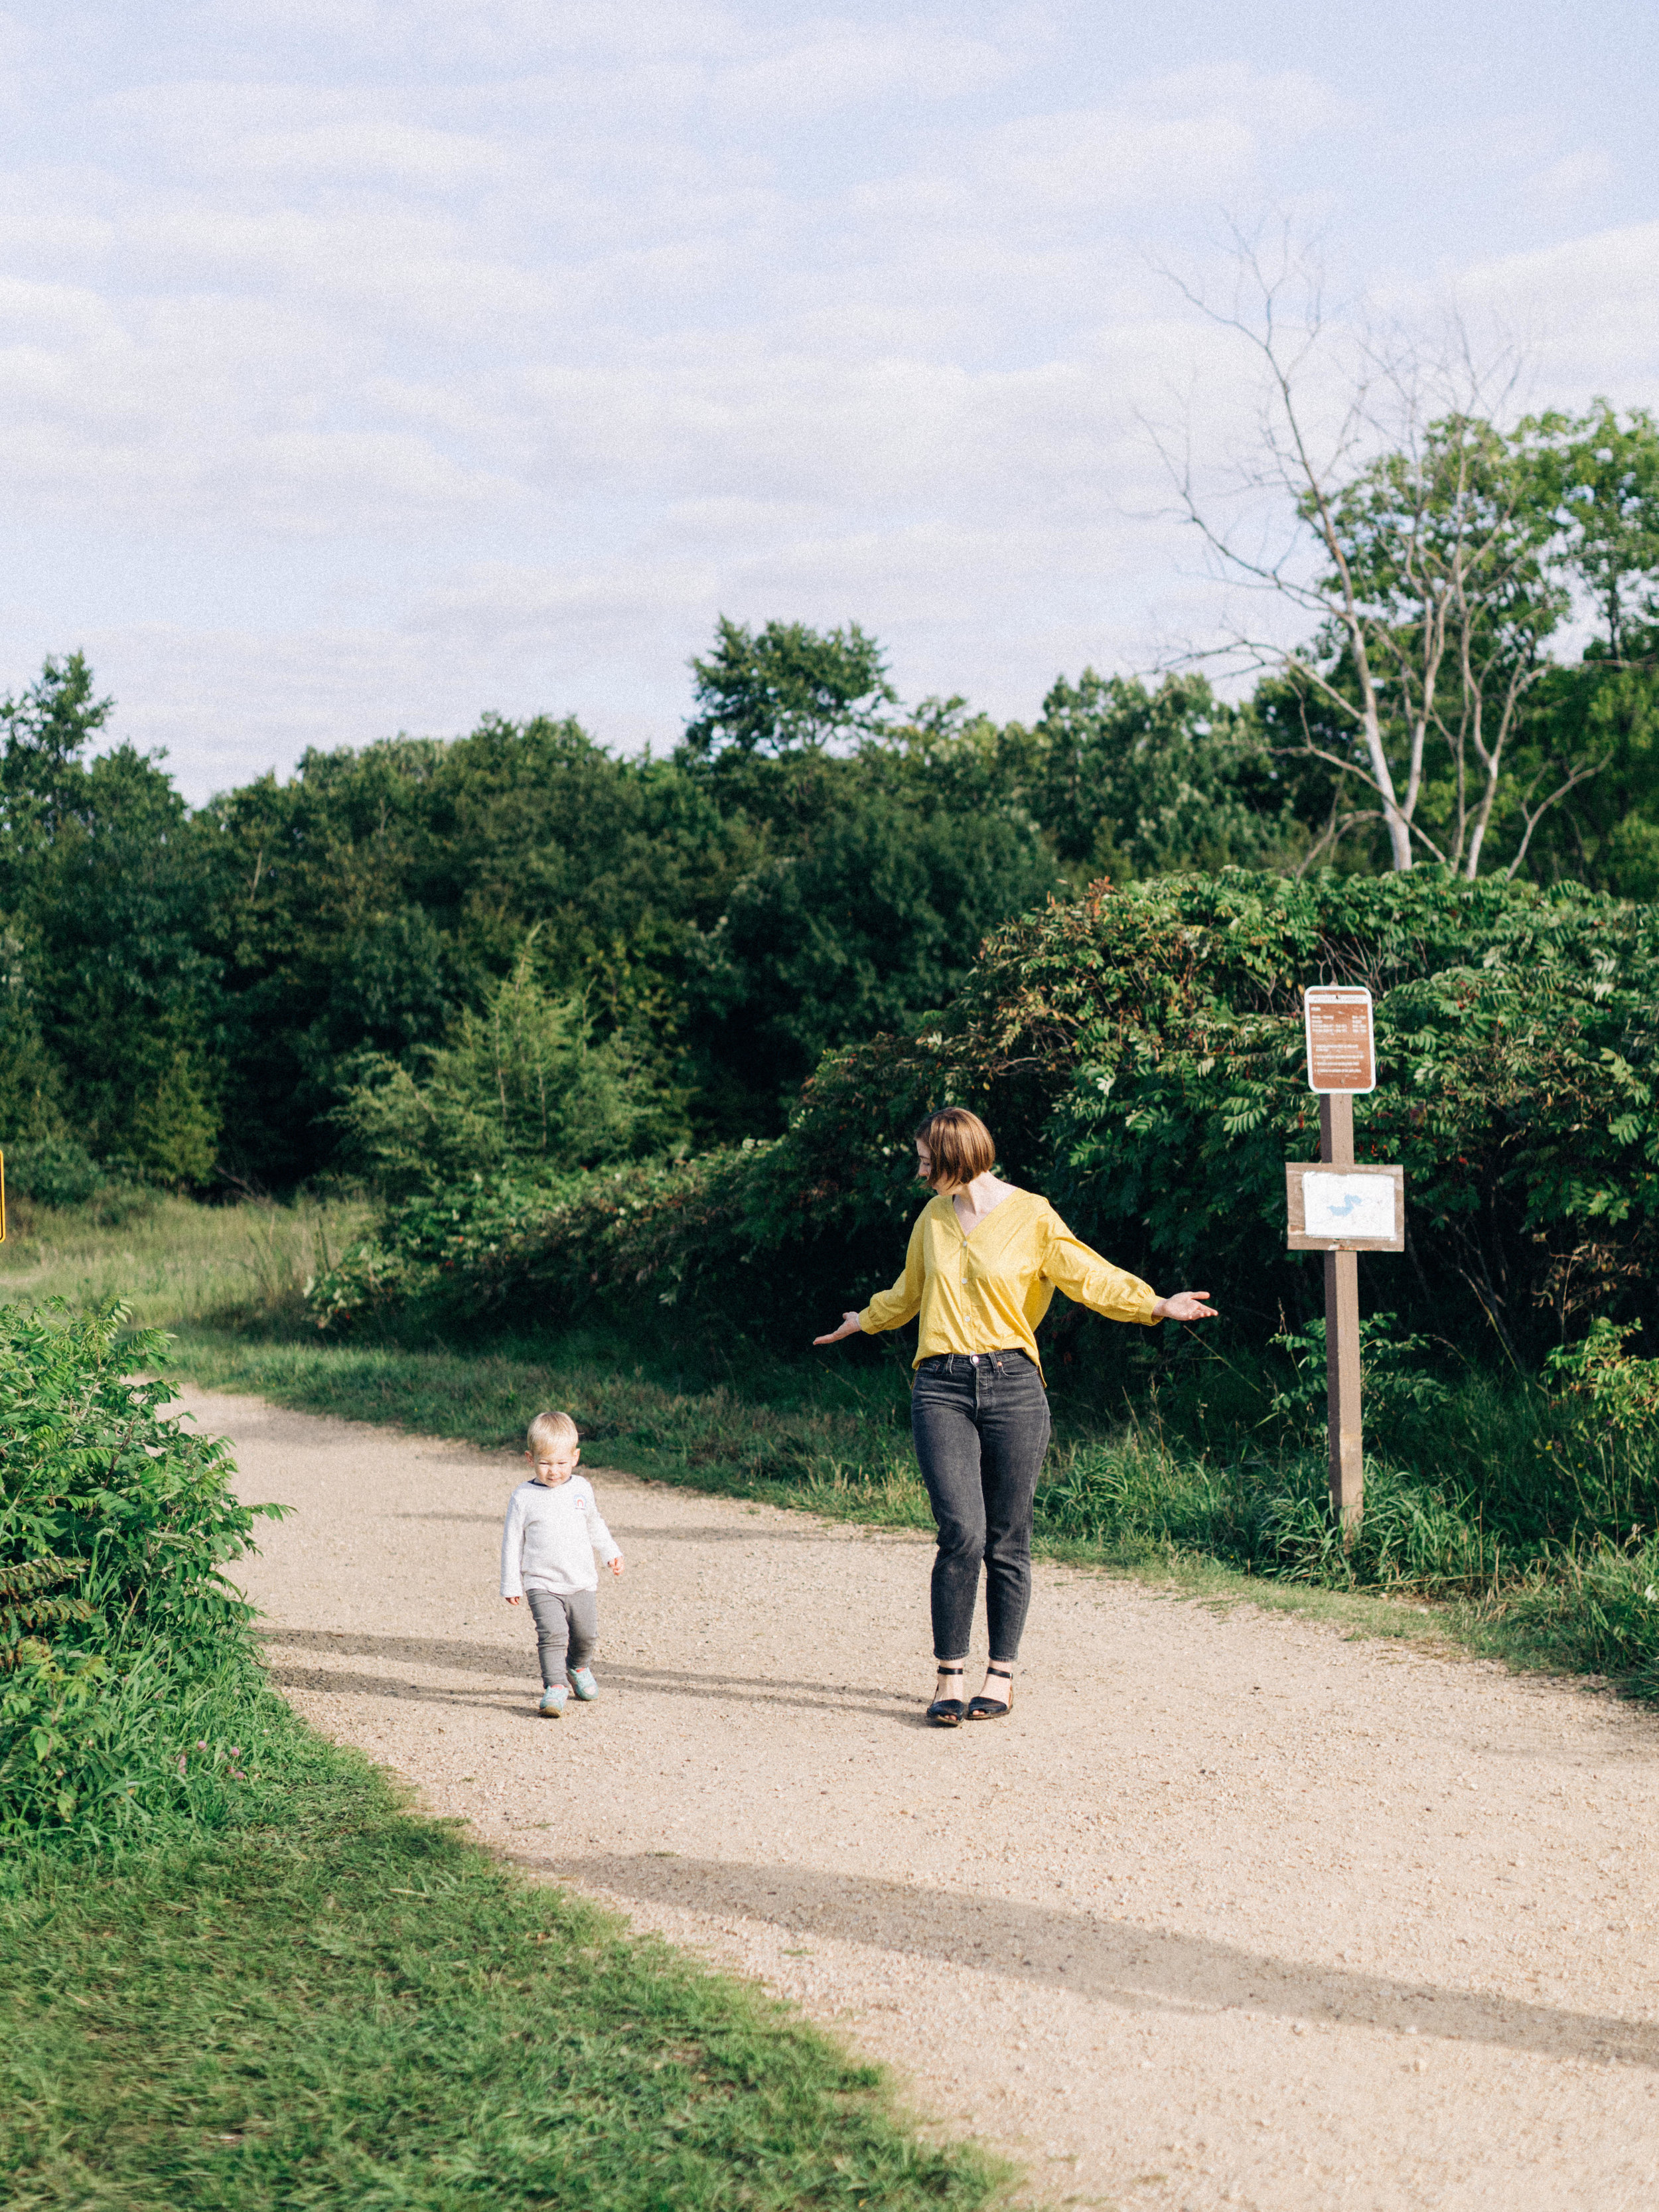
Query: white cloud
x=1590, y=308
x=849, y=65
x=1563, y=182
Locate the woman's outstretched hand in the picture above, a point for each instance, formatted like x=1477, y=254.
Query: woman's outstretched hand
x=849, y=1327
x=1185, y=1305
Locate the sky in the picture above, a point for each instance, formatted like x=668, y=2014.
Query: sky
x=367, y=365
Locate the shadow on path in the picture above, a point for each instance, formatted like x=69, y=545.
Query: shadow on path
x=516, y=1663
x=1135, y=1968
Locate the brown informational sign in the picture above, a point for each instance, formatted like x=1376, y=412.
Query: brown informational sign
x=1342, y=1048
x=1344, y=1209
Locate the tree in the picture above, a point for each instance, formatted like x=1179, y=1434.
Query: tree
x=519, y=1081
x=871, y=926
x=49, y=726
x=174, y=1126
x=1601, y=476
x=1421, y=546
x=1133, y=782
x=121, y=975
x=43, y=733
x=363, y=902
x=787, y=689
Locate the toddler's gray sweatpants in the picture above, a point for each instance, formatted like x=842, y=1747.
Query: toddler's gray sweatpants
x=566, y=1630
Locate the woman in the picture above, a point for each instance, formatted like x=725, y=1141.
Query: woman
x=984, y=1261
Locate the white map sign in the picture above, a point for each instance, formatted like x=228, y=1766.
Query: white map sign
x=1338, y=1204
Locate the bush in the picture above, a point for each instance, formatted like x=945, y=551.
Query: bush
x=58, y=1172
x=121, y=1640
x=1140, y=1055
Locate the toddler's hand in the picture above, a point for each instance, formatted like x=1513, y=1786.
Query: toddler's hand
x=617, y=1565
x=515, y=1600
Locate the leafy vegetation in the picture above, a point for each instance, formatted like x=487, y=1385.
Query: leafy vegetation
x=1140, y=1055
x=118, y=1629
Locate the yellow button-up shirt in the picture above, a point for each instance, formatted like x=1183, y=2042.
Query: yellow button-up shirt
x=988, y=1291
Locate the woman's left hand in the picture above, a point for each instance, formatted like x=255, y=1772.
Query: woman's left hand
x=1185, y=1305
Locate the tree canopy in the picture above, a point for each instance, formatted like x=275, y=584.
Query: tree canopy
x=302, y=974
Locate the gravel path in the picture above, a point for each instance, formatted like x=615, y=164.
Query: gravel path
x=1228, y=1911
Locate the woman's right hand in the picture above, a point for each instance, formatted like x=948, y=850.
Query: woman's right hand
x=849, y=1327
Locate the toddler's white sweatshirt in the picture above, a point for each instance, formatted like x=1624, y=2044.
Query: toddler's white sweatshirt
x=552, y=1532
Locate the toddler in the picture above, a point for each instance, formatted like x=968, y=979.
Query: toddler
x=553, y=1530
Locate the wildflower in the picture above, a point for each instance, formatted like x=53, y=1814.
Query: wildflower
x=201, y=1744
x=182, y=1762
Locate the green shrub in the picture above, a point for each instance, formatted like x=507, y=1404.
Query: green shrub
x=56, y=1172
x=1272, y=1516
x=120, y=1639
x=1405, y=1401
x=1604, y=1453
x=1594, y=1608
x=1140, y=1056
x=175, y=1126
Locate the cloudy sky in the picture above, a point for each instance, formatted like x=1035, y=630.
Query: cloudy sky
x=365, y=364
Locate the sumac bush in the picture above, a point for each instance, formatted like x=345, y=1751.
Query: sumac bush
x=119, y=1636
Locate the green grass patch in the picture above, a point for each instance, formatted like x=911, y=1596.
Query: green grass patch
x=170, y=1262
x=324, y=2000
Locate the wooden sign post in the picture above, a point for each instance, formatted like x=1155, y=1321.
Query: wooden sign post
x=1340, y=1208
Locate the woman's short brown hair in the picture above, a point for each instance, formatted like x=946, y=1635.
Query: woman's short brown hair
x=958, y=1144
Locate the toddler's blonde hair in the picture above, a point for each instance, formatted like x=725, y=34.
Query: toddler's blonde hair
x=550, y=1429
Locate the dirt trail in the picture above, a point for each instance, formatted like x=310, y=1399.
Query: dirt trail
x=1228, y=1911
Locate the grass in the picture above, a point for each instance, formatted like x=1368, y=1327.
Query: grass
x=327, y=2002
x=270, y=1985
x=171, y=1261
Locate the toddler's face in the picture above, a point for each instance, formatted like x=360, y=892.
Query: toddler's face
x=555, y=1463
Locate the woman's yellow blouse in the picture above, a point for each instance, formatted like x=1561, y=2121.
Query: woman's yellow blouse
x=988, y=1291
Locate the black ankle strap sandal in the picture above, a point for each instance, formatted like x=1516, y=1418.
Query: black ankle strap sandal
x=992, y=1709
x=947, y=1712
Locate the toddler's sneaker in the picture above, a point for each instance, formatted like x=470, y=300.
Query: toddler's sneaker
x=552, y=1704
x=582, y=1682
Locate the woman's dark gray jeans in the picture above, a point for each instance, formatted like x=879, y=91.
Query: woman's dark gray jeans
x=981, y=1425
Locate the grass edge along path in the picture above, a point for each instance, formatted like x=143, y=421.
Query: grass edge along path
x=787, y=1459
x=329, y=2000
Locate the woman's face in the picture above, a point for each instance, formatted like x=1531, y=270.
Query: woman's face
x=925, y=1168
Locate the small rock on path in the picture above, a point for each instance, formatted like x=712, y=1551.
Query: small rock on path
x=1229, y=1911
